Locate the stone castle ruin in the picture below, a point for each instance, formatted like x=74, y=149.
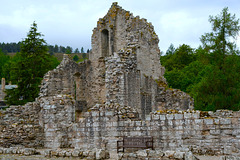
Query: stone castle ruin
x=119, y=92
x=123, y=68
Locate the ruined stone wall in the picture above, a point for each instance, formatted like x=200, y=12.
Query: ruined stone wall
x=123, y=79
x=60, y=80
x=157, y=96
x=80, y=81
x=126, y=85
x=19, y=126
x=200, y=132
x=120, y=30
x=56, y=117
x=127, y=46
x=52, y=124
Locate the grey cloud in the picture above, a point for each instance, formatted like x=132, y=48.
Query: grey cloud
x=71, y=22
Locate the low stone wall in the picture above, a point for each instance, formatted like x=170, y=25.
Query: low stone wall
x=53, y=123
x=19, y=125
x=200, y=132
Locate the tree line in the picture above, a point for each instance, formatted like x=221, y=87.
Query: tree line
x=210, y=73
x=16, y=47
x=10, y=47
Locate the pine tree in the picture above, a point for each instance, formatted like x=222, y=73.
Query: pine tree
x=28, y=68
x=220, y=88
x=82, y=50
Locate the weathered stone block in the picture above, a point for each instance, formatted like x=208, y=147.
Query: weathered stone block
x=109, y=113
x=142, y=153
x=198, y=121
x=169, y=154
x=196, y=115
x=75, y=153
x=178, y=116
x=170, y=122
x=225, y=121
x=155, y=117
x=179, y=155
x=148, y=117
x=162, y=117
x=215, y=132
x=138, y=123
x=187, y=115
x=170, y=116
x=208, y=121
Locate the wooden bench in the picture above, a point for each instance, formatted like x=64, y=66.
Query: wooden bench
x=135, y=142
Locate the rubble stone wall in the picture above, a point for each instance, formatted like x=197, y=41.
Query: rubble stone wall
x=19, y=126
x=60, y=80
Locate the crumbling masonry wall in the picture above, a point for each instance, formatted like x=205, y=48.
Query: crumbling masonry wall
x=123, y=68
x=19, y=126
x=200, y=132
x=54, y=126
x=128, y=46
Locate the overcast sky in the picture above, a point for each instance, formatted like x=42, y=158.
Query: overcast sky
x=70, y=22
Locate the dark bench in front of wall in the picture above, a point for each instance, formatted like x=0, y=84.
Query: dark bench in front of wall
x=135, y=142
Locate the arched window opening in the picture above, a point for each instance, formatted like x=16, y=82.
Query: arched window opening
x=105, y=43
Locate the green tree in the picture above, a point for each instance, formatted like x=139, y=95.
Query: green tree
x=76, y=50
x=182, y=57
x=68, y=50
x=75, y=58
x=28, y=68
x=62, y=49
x=3, y=60
x=225, y=26
x=51, y=49
x=82, y=50
x=220, y=87
x=56, y=49
x=171, y=50
x=210, y=73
